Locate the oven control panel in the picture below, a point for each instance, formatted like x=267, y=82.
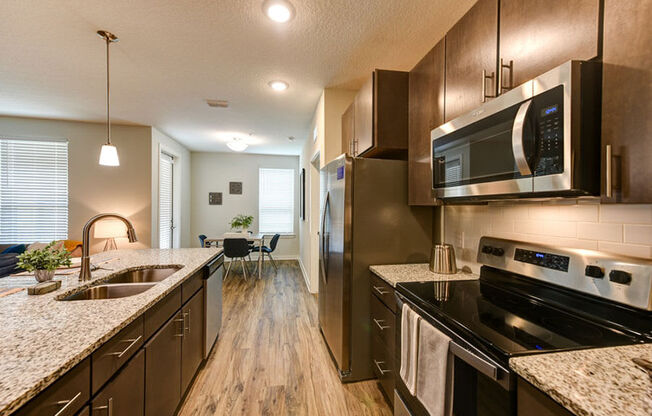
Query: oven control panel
x=543, y=259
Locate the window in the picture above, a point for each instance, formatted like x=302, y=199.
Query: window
x=33, y=190
x=166, y=201
x=276, y=201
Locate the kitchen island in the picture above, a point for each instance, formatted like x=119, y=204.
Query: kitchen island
x=42, y=337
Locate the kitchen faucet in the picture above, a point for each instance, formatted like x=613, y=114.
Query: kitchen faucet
x=85, y=272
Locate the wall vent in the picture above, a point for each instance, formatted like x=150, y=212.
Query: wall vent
x=217, y=103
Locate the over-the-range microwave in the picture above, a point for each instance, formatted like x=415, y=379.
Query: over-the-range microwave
x=539, y=140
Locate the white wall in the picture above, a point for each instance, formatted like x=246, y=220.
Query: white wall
x=212, y=172
x=617, y=228
x=93, y=188
x=163, y=143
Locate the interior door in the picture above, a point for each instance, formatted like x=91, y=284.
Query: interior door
x=166, y=201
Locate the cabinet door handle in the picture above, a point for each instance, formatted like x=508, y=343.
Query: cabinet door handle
x=183, y=325
x=187, y=315
x=66, y=404
x=380, y=290
x=123, y=352
x=607, y=171
x=380, y=324
x=108, y=407
x=485, y=77
x=510, y=66
x=378, y=363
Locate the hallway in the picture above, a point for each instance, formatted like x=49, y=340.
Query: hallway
x=271, y=359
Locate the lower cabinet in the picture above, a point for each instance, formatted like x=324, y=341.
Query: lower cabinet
x=125, y=394
x=86, y=411
x=531, y=401
x=163, y=368
x=383, y=338
x=192, y=345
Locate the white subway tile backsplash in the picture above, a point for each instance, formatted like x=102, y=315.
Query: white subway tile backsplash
x=626, y=249
x=585, y=213
x=626, y=214
x=601, y=232
x=638, y=234
x=544, y=212
x=550, y=228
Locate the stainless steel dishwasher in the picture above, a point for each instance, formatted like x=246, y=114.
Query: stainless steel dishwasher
x=213, y=276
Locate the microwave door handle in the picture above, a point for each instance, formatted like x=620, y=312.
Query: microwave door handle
x=518, y=138
x=479, y=363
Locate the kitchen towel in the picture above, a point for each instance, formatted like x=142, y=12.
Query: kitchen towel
x=434, y=371
x=409, y=347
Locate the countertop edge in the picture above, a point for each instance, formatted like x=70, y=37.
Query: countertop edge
x=20, y=400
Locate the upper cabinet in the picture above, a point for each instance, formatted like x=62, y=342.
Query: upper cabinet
x=380, y=117
x=626, y=98
x=539, y=35
x=426, y=111
x=471, y=64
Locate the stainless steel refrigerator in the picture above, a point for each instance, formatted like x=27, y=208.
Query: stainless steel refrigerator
x=365, y=219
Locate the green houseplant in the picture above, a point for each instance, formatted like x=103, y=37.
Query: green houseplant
x=241, y=222
x=43, y=262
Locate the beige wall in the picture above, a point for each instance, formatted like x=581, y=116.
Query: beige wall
x=163, y=143
x=212, y=172
x=617, y=228
x=94, y=188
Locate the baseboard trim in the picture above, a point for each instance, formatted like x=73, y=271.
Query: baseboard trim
x=305, y=275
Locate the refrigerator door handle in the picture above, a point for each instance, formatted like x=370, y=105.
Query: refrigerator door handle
x=322, y=235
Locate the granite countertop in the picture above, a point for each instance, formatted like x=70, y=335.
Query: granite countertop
x=41, y=338
x=398, y=273
x=593, y=382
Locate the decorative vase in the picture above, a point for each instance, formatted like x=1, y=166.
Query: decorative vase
x=43, y=275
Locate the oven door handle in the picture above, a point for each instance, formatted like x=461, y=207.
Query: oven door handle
x=479, y=363
x=518, y=138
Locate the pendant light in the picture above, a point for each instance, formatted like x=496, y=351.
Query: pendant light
x=109, y=153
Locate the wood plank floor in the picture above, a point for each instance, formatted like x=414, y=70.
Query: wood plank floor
x=271, y=359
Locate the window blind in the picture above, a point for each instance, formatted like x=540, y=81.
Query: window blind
x=33, y=190
x=276, y=201
x=165, y=200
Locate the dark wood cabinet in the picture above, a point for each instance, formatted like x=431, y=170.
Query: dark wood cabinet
x=626, y=98
x=471, y=50
x=383, y=335
x=125, y=394
x=539, y=35
x=426, y=111
x=86, y=411
x=380, y=117
x=192, y=344
x=531, y=401
x=158, y=314
x=348, y=129
x=65, y=397
x=163, y=369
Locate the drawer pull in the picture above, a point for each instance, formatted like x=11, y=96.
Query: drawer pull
x=183, y=323
x=382, y=372
x=380, y=325
x=108, y=407
x=123, y=352
x=380, y=290
x=66, y=404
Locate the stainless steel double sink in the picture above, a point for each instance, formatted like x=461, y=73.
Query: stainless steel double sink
x=126, y=283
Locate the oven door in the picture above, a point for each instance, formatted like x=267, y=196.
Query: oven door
x=482, y=386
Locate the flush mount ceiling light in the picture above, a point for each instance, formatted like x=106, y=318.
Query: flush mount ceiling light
x=237, y=145
x=279, y=11
x=278, y=85
x=109, y=153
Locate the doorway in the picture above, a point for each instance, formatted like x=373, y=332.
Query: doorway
x=166, y=201
x=315, y=208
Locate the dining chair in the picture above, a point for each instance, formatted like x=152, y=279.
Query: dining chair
x=236, y=248
x=268, y=250
x=202, y=238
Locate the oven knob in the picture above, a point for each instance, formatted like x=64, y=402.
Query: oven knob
x=497, y=251
x=487, y=249
x=619, y=276
x=594, y=271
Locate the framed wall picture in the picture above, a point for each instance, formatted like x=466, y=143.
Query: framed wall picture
x=302, y=194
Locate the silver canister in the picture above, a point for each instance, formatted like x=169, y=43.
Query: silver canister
x=442, y=259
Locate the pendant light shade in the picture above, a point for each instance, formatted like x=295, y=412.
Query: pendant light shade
x=109, y=153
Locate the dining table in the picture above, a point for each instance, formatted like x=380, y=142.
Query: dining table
x=258, y=239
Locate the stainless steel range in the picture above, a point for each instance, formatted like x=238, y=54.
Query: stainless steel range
x=530, y=299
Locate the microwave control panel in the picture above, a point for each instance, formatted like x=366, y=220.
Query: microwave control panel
x=550, y=133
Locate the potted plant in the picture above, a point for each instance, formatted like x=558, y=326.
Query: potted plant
x=241, y=222
x=44, y=262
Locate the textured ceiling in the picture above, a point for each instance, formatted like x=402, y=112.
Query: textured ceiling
x=174, y=54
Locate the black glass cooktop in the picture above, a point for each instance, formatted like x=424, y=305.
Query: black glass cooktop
x=513, y=319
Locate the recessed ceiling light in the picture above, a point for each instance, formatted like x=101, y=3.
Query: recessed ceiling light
x=237, y=145
x=278, y=10
x=278, y=85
